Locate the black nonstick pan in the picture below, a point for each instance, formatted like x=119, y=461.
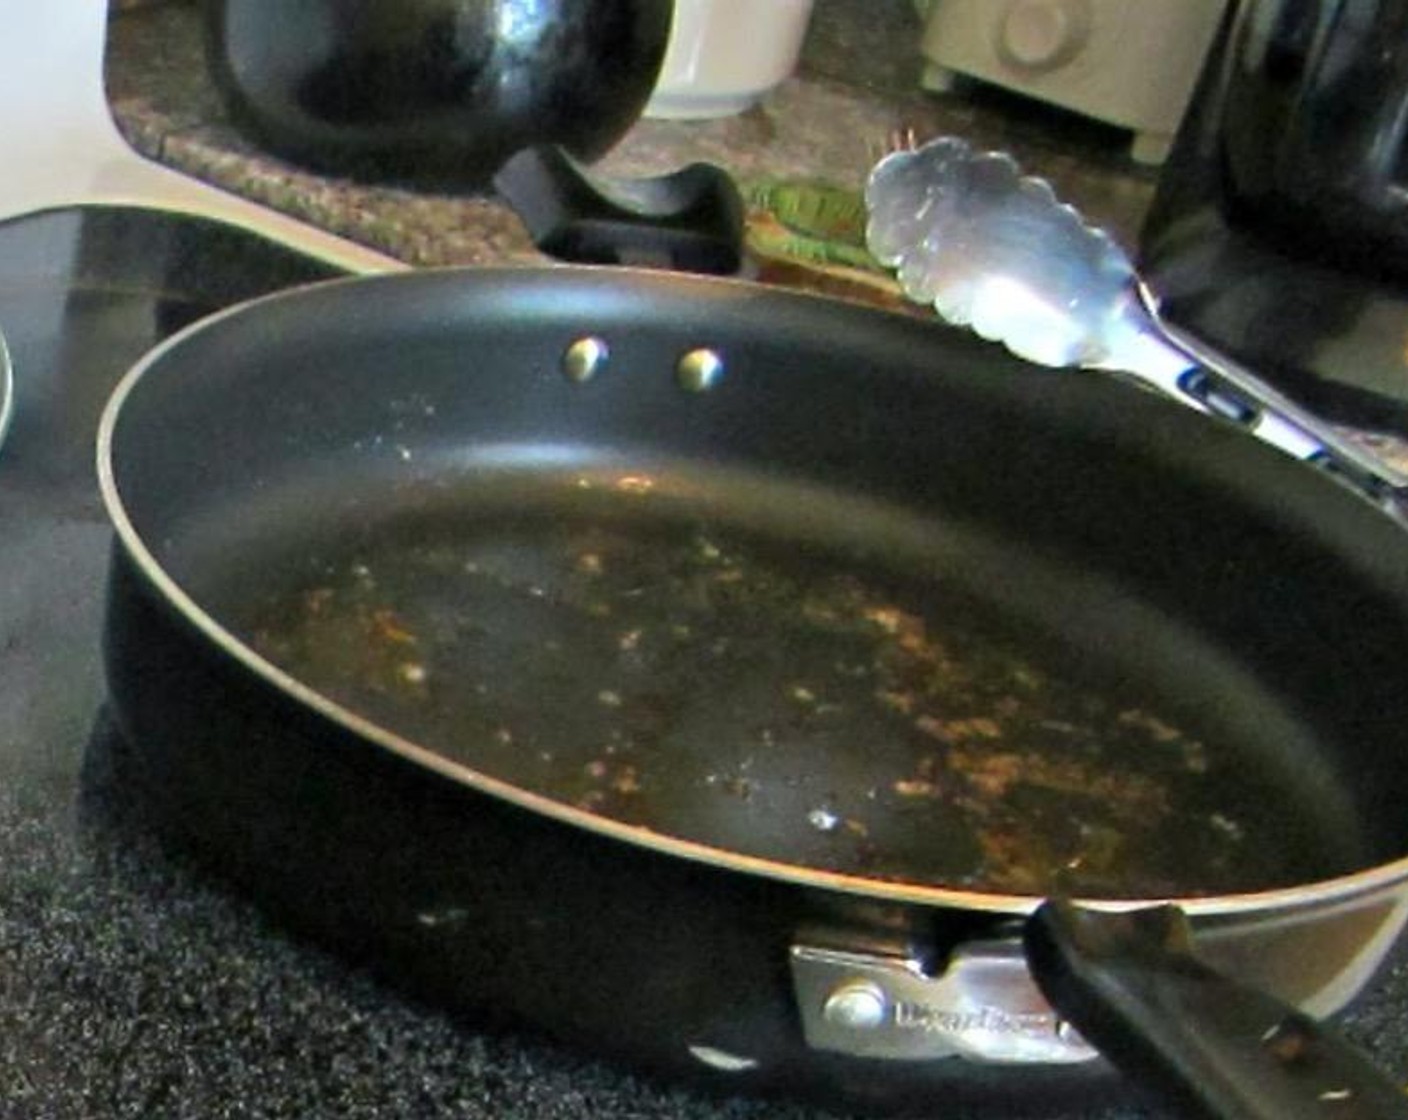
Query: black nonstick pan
x=718, y=677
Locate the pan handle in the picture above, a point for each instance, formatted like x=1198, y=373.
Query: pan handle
x=688, y=221
x=1213, y=1047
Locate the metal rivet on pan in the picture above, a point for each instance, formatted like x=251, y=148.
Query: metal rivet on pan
x=857, y=1004
x=585, y=358
x=700, y=369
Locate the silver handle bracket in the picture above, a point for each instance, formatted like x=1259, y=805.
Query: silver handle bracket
x=983, y=1007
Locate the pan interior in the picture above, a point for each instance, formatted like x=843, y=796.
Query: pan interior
x=772, y=668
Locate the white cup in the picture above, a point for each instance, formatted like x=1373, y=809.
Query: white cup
x=724, y=55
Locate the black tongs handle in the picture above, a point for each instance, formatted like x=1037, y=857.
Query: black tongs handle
x=1212, y=1047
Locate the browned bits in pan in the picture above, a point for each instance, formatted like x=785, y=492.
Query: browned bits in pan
x=389, y=628
x=626, y=781
x=812, y=710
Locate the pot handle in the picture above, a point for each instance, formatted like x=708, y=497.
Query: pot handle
x=1130, y=983
x=690, y=220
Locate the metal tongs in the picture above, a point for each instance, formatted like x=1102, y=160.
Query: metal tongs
x=996, y=251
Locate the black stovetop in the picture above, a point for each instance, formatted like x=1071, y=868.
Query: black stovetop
x=133, y=983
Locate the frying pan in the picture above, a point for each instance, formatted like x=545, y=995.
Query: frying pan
x=523, y=497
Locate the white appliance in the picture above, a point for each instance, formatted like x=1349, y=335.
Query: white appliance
x=1131, y=63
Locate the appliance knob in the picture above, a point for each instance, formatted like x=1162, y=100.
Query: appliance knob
x=1042, y=34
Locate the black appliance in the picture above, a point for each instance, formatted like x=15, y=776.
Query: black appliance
x=1279, y=230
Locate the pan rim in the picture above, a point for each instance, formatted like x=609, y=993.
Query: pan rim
x=1324, y=893
x=7, y=390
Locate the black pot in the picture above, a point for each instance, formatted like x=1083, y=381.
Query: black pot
x=435, y=91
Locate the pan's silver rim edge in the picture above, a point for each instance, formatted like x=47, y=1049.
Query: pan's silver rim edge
x=7, y=390
x=1377, y=880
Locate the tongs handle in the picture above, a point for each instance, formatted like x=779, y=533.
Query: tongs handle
x=1223, y=388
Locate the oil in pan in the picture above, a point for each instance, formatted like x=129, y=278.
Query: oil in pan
x=606, y=643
